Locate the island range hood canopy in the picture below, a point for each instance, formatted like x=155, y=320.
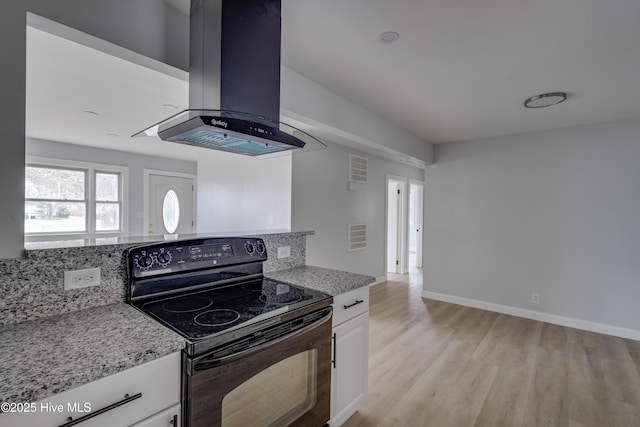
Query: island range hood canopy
x=234, y=82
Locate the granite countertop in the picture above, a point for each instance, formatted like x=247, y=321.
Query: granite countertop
x=46, y=356
x=332, y=282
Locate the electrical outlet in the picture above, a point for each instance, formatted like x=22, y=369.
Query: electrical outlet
x=74, y=279
x=284, y=252
x=535, y=297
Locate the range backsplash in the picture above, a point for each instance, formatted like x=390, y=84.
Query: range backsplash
x=32, y=287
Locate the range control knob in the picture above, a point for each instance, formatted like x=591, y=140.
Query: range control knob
x=249, y=248
x=144, y=261
x=164, y=258
x=260, y=247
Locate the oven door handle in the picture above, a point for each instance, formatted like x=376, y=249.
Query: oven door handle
x=203, y=363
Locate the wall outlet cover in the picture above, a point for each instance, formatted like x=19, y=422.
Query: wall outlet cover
x=284, y=252
x=535, y=297
x=74, y=279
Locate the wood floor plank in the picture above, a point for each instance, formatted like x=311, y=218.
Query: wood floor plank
x=437, y=364
x=548, y=400
x=587, y=405
x=430, y=399
x=634, y=351
x=622, y=381
x=554, y=337
x=507, y=398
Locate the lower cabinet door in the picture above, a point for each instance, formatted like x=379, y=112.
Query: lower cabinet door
x=170, y=417
x=350, y=373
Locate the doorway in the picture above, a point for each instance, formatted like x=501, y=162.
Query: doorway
x=404, y=220
x=169, y=205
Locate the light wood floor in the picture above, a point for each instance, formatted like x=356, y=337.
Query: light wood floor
x=437, y=364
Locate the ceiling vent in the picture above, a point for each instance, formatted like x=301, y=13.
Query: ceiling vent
x=357, y=236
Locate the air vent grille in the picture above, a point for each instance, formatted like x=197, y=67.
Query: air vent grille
x=358, y=168
x=357, y=236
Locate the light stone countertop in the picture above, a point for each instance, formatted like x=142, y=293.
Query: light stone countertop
x=42, y=357
x=332, y=282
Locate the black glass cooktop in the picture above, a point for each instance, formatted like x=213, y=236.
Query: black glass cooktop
x=200, y=314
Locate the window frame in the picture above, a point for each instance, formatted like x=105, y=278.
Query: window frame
x=90, y=170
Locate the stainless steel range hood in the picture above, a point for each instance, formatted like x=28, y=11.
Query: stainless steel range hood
x=234, y=82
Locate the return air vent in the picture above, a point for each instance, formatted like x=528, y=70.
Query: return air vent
x=358, y=169
x=357, y=236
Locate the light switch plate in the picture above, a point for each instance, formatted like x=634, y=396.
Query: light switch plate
x=74, y=279
x=284, y=252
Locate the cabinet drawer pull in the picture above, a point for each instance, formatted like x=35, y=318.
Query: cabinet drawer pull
x=174, y=421
x=71, y=422
x=335, y=344
x=358, y=301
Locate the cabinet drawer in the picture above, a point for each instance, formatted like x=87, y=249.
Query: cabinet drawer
x=170, y=417
x=157, y=382
x=347, y=306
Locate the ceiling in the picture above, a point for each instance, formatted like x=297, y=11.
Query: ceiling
x=460, y=70
x=65, y=80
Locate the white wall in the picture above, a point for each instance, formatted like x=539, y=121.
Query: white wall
x=137, y=25
x=553, y=212
x=135, y=162
x=340, y=119
x=321, y=201
x=241, y=193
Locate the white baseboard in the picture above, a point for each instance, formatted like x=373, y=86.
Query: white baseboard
x=537, y=315
x=379, y=279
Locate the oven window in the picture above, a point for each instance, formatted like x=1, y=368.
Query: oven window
x=276, y=396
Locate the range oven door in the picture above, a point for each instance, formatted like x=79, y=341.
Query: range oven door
x=284, y=380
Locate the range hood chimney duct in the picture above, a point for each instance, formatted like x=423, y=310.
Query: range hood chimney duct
x=235, y=56
x=234, y=82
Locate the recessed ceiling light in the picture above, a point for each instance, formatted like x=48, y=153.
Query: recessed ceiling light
x=90, y=113
x=388, y=37
x=170, y=106
x=545, y=100
x=113, y=135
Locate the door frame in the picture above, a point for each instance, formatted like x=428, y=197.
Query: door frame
x=403, y=215
x=145, y=195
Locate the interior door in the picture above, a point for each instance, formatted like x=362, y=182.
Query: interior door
x=171, y=208
x=393, y=226
x=416, y=221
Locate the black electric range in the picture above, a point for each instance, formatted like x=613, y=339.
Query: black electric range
x=212, y=291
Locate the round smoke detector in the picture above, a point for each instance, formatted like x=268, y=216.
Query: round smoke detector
x=388, y=37
x=545, y=100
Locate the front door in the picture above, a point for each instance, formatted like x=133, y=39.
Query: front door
x=170, y=205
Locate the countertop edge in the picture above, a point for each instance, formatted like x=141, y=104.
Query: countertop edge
x=329, y=281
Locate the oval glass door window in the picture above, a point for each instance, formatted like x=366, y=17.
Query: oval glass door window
x=171, y=211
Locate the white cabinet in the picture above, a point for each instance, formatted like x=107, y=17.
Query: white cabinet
x=349, y=381
x=124, y=398
x=170, y=417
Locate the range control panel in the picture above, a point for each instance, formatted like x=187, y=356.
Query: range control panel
x=194, y=254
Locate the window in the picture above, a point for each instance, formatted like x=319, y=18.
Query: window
x=107, y=201
x=65, y=198
x=171, y=211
